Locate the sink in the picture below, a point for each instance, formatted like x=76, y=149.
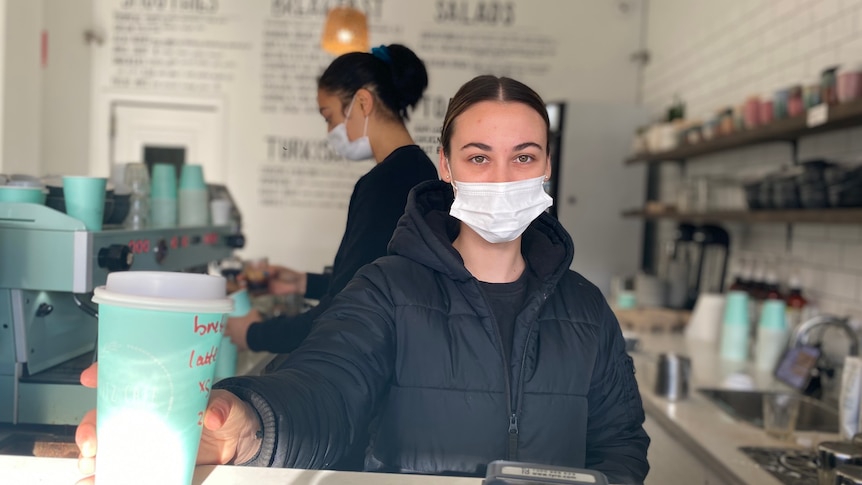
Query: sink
x=748, y=406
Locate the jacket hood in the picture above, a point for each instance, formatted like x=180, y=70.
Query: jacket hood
x=426, y=230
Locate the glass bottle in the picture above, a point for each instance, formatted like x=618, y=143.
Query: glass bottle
x=796, y=302
x=741, y=275
x=771, y=285
x=137, y=179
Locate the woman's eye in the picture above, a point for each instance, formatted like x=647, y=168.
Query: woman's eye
x=525, y=158
x=478, y=159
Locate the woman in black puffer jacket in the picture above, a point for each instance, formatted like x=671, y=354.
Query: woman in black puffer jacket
x=471, y=341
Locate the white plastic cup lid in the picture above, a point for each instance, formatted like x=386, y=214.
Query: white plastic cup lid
x=165, y=290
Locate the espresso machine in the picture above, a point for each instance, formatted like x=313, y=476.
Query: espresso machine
x=49, y=266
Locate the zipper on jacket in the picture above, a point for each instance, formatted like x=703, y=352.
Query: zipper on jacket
x=513, y=437
x=513, y=431
x=513, y=418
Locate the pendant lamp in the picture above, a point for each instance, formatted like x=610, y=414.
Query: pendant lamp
x=346, y=30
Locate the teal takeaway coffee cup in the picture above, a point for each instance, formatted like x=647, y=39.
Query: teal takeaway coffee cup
x=159, y=340
x=85, y=200
x=241, y=303
x=226, y=363
x=163, y=182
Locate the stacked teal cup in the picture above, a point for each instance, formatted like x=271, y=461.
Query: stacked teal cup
x=735, y=327
x=772, y=314
x=772, y=334
x=85, y=200
x=226, y=363
x=193, y=197
x=159, y=337
x=163, y=196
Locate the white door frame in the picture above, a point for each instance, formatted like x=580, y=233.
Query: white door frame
x=104, y=133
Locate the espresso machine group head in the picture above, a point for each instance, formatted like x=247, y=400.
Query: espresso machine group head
x=49, y=265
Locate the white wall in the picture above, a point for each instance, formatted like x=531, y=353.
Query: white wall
x=57, y=117
x=587, y=58
x=715, y=54
x=22, y=85
x=66, y=89
x=2, y=75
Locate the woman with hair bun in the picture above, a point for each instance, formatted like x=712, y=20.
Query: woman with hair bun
x=365, y=99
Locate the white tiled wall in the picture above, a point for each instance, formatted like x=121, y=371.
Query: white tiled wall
x=716, y=54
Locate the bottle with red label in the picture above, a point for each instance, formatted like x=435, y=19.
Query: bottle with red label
x=771, y=284
x=795, y=301
x=741, y=276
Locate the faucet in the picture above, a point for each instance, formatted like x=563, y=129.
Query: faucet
x=802, y=333
x=801, y=336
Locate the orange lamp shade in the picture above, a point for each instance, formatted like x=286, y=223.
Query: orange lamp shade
x=346, y=30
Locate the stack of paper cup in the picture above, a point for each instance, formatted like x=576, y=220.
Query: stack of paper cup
x=706, y=318
x=220, y=211
x=772, y=335
x=163, y=196
x=193, y=197
x=736, y=327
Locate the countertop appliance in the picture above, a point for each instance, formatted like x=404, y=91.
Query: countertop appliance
x=49, y=266
x=703, y=251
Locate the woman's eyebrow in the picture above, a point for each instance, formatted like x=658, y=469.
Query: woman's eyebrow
x=528, y=144
x=520, y=146
x=480, y=146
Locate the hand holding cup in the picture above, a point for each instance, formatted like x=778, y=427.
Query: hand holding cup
x=237, y=328
x=159, y=343
x=229, y=435
x=285, y=281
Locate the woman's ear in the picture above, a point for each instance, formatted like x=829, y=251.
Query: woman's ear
x=443, y=167
x=364, y=102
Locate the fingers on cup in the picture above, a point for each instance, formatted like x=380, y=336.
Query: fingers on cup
x=86, y=481
x=85, y=434
x=89, y=376
x=87, y=466
x=217, y=413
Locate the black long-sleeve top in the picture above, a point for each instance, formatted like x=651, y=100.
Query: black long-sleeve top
x=376, y=204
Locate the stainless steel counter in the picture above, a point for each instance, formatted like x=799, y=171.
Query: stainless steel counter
x=703, y=429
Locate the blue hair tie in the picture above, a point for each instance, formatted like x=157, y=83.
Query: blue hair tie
x=382, y=53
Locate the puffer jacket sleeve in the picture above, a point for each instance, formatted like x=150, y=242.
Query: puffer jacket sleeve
x=323, y=397
x=616, y=441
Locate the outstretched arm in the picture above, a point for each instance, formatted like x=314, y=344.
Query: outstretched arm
x=315, y=407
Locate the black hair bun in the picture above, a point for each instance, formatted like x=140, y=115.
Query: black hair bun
x=409, y=77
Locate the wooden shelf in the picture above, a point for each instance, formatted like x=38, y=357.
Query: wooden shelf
x=818, y=216
x=843, y=115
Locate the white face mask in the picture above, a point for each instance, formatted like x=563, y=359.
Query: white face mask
x=358, y=149
x=500, y=211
